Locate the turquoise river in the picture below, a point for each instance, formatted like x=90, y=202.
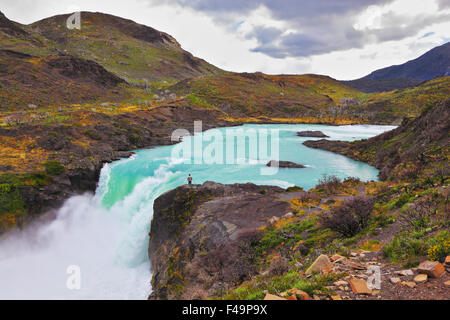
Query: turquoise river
x=96, y=248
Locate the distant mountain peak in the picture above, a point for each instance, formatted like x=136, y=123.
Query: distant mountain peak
x=434, y=63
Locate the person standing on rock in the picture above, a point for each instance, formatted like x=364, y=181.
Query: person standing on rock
x=189, y=179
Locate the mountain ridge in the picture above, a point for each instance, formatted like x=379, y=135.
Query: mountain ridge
x=432, y=64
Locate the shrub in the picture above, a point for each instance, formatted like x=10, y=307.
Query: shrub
x=329, y=183
x=351, y=217
x=134, y=138
x=316, y=284
x=352, y=180
x=288, y=235
x=439, y=246
x=279, y=266
x=54, y=168
x=402, y=200
x=419, y=214
x=92, y=134
x=294, y=189
x=404, y=247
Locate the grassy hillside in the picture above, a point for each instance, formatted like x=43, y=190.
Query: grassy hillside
x=256, y=97
x=28, y=81
x=132, y=51
x=418, y=150
x=371, y=85
x=395, y=105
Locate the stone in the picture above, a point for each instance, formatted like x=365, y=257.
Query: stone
x=354, y=254
x=274, y=220
x=447, y=261
x=395, y=280
x=293, y=297
x=289, y=215
x=420, y=278
x=273, y=297
x=356, y=266
x=322, y=264
x=433, y=269
x=340, y=283
x=447, y=283
x=409, y=284
x=336, y=257
x=336, y=297
x=376, y=292
x=359, y=286
x=405, y=272
x=299, y=294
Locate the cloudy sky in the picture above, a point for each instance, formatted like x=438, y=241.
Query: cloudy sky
x=345, y=39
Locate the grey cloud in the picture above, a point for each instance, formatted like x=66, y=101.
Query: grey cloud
x=444, y=4
x=265, y=34
x=320, y=26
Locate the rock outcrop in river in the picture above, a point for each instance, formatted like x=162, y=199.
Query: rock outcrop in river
x=201, y=235
x=312, y=134
x=284, y=164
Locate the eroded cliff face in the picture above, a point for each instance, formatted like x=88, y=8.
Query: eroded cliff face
x=201, y=237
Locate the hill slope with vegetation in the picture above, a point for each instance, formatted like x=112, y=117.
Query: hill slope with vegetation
x=417, y=150
x=131, y=51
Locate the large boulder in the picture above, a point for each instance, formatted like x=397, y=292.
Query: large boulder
x=201, y=235
x=433, y=269
x=321, y=265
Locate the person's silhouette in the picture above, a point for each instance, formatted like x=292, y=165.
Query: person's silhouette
x=189, y=179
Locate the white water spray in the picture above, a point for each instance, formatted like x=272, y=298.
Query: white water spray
x=109, y=246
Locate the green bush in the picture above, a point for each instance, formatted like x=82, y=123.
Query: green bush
x=134, y=138
x=439, y=246
x=289, y=234
x=11, y=202
x=404, y=248
x=403, y=199
x=294, y=189
x=317, y=284
x=54, y=168
x=92, y=134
